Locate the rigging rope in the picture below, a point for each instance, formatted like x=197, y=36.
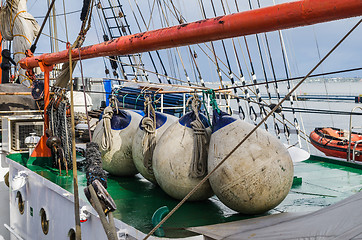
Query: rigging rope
x=212, y=47
x=149, y=53
x=63, y=79
x=276, y=127
x=240, y=109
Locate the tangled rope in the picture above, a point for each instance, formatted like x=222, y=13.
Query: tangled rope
x=201, y=138
x=107, y=142
x=148, y=123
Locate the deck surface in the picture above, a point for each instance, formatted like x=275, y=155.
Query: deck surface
x=323, y=183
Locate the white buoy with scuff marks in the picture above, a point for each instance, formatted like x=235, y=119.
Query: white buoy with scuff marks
x=257, y=176
x=172, y=160
x=114, y=134
x=141, y=152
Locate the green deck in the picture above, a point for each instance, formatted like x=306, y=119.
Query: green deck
x=323, y=183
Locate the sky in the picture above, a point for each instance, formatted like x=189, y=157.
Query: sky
x=305, y=45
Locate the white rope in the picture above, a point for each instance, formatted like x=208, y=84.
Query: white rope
x=201, y=138
x=107, y=143
x=148, y=123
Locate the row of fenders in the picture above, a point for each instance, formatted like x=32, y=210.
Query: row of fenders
x=253, y=180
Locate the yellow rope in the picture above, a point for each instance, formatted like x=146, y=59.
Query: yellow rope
x=19, y=53
x=26, y=78
x=13, y=21
x=20, y=35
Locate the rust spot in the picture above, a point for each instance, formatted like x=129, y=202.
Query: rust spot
x=139, y=35
x=85, y=48
x=182, y=25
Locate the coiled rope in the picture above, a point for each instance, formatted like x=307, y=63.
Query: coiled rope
x=148, y=124
x=107, y=142
x=201, y=138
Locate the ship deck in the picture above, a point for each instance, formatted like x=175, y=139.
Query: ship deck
x=318, y=182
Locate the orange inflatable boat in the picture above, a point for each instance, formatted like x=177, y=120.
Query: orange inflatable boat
x=334, y=142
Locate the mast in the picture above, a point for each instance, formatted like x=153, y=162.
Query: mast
x=282, y=16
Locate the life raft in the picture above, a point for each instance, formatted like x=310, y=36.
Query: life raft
x=334, y=142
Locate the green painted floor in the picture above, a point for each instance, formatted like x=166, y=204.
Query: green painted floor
x=322, y=184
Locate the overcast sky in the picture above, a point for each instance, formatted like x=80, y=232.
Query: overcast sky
x=301, y=42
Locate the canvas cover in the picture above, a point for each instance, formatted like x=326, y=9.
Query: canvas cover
x=19, y=26
x=342, y=220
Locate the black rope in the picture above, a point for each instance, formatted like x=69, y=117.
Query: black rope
x=251, y=108
x=85, y=8
x=213, y=48
x=60, y=14
x=149, y=53
x=309, y=110
x=240, y=109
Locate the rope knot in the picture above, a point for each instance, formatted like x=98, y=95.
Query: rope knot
x=147, y=124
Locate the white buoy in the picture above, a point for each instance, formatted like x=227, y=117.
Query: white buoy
x=172, y=160
x=115, y=140
x=257, y=176
x=141, y=141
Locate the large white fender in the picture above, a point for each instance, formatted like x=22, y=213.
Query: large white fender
x=257, y=176
x=172, y=160
x=117, y=153
x=163, y=121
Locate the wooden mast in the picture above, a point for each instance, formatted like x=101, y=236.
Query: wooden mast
x=282, y=16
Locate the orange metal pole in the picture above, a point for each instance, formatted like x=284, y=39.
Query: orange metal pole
x=41, y=150
x=46, y=95
x=282, y=16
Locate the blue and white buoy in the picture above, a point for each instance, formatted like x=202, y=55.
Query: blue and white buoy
x=142, y=139
x=173, y=159
x=114, y=134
